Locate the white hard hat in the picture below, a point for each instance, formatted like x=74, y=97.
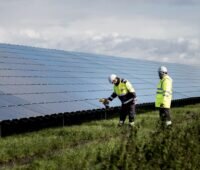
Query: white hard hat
x=162, y=69
x=112, y=77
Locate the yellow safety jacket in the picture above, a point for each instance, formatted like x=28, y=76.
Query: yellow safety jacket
x=123, y=90
x=164, y=92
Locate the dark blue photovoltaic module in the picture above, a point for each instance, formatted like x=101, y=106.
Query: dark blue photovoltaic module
x=37, y=82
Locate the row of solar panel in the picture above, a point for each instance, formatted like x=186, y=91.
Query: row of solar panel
x=56, y=53
x=50, y=53
x=37, y=81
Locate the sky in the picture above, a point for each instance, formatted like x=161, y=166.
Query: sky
x=158, y=30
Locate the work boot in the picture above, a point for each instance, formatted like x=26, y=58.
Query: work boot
x=131, y=124
x=168, y=123
x=121, y=123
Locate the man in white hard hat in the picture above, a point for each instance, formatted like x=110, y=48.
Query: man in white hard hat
x=164, y=95
x=126, y=93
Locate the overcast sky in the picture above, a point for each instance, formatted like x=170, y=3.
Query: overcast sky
x=161, y=30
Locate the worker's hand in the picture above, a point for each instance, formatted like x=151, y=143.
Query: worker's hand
x=162, y=105
x=104, y=101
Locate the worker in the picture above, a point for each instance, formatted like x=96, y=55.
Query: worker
x=126, y=93
x=164, y=96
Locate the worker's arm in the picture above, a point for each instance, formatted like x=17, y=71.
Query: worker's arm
x=105, y=101
x=113, y=95
x=130, y=87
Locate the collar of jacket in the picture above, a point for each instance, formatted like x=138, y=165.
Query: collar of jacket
x=118, y=81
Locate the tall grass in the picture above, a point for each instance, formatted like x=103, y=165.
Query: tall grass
x=103, y=145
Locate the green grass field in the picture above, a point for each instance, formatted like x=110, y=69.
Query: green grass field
x=102, y=145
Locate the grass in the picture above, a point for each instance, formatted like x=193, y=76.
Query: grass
x=103, y=145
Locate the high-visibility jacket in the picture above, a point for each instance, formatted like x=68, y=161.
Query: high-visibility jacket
x=124, y=90
x=164, y=92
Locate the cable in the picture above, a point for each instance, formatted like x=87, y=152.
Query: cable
x=46, y=102
x=78, y=91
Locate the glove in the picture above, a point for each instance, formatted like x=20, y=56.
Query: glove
x=162, y=105
x=105, y=102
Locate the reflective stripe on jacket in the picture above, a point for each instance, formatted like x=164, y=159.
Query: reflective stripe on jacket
x=164, y=92
x=123, y=90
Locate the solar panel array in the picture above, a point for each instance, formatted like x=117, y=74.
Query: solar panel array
x=37, y=82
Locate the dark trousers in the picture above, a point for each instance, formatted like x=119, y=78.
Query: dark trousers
x=128, y=109
x=164, y=114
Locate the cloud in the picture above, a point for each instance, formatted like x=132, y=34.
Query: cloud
x=145, y=29
x=178, y=50
x=150, y=49
x=30, y=34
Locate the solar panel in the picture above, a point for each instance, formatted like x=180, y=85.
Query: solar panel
x=37, y=82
